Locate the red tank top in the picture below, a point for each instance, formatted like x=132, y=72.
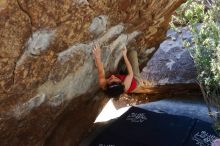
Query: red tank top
x=133, y=83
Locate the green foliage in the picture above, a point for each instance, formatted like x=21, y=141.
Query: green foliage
x=216, y=10
x=190, y=12
x=205, y=52
x=202, y=21
x=206, y=48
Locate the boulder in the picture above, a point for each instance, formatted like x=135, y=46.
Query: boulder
x=171, y=69
x=49, y=92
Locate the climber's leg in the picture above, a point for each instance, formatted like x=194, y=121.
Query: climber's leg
x=142, y=86
x=133, y=58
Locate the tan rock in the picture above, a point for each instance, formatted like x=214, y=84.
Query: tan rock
x=48, y=78
x=3, y=4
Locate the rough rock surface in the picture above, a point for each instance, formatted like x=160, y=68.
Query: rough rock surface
x=48, y=80
x=172, y=64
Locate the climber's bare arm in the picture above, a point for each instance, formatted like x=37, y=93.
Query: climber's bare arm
x=129, y=77
x=99, y=65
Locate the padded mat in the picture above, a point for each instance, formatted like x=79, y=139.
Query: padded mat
x=139, y=127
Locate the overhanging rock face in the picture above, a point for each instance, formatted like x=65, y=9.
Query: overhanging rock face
x=48, y=80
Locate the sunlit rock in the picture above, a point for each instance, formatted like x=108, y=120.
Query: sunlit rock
x=48, y=79
x=172, y=65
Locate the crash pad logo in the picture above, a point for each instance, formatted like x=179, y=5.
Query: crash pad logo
x=136, y=117
x=203, y=138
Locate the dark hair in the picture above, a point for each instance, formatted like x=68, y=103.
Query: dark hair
x=114, y=89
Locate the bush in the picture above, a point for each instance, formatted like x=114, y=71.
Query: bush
x=202, y=21
x=192, y=10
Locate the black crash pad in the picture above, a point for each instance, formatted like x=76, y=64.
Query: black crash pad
x=139, y=127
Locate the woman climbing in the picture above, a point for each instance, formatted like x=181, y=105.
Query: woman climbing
x=118, y=84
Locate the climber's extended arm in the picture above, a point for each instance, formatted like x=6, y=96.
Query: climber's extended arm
x=129, y=77
x=99, y=65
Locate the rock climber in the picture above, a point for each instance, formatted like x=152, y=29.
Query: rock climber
x=118, y=83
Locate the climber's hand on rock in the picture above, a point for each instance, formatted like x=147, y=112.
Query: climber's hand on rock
x=96, y=51
x=124, y=51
